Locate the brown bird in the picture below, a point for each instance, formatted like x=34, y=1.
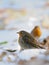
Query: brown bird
x=36, y=32
x=27, y=41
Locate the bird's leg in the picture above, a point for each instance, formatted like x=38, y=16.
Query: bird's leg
x=21, y=50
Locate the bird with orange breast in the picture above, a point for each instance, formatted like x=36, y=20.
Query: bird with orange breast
x=36, y=32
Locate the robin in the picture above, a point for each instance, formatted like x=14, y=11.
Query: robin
x=36, y=32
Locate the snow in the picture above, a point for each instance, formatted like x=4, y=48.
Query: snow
x=6, y=63
x=12, y=58
x=28, y=54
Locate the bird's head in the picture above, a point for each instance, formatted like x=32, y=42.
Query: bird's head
x=22, y=33
x=37, y=27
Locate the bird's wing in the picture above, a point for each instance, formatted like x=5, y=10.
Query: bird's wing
x=30, y=41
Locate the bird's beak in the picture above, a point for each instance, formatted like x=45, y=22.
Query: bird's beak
x=18, y=32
